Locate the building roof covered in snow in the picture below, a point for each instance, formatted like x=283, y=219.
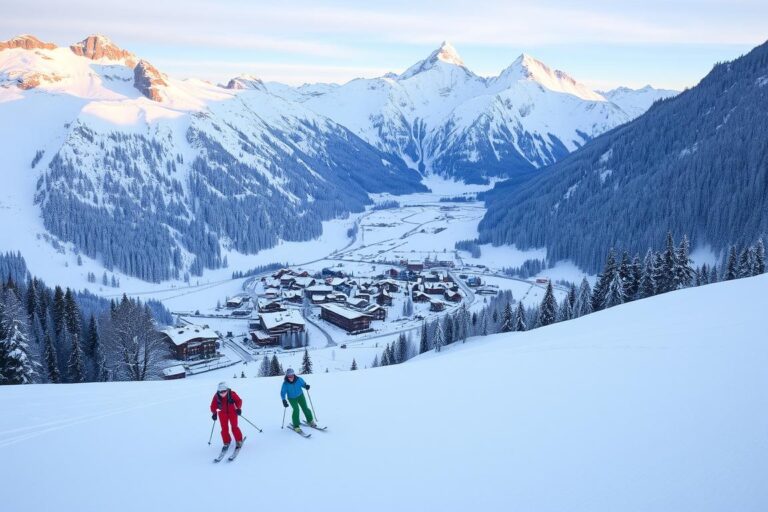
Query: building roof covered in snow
x=273, y=320
x=187, y=333
x=347, y=313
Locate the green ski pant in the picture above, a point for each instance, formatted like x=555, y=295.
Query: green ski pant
x=300, y=401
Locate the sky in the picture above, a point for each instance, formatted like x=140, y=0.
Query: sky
x=601, y=43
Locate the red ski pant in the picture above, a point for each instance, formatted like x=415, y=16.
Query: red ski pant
x=227, y=420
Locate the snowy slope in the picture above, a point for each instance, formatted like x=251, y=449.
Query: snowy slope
x=441, y=118
x=636, y=101
x=654, y=405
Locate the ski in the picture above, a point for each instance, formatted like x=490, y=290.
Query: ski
x=316, y=427
x=222, y=454
x=236, y=452
x=303, y=434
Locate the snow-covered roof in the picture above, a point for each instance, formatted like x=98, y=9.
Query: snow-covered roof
x=174, y=370
x=320, y=288
x=182, y=335
x=304, y=281
x=347, y=313
x=272, y=320
x=264, y=302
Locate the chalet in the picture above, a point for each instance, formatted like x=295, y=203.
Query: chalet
x=271, y=283
x=263, y=338
x=452, y=296
x=333, y=273
x=287, y=280
x=415, y=265
x=376, y=311
x=269, y=305
x=348, y=319
x=317, y=289
x=474, y=281
x=364, y=296
x=437, y=305
x=421, y=297
x=393, y=273
x=235, y=302
x=357, y=302
x=304, y=282
x=280, y=273
x=389, y=284
x=271, y=293
x=435, y=288
x=383, y=298
x=542, y=280
x=338, y=298
x=242, y=311
x=282, y=322
x=191, y=342
x=335, y=282
x=318, y=298
x=174, y=372
x=293, y=297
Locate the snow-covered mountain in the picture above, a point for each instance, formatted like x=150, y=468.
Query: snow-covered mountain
x=658, y=404
x=636, y=101
x=155, y=176
x=440, y=117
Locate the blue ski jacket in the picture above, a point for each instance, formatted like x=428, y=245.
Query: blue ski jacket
x=292, y=390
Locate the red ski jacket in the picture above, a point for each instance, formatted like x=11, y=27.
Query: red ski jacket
x=227, y=404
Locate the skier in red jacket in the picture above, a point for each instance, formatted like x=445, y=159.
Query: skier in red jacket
x=228, y=405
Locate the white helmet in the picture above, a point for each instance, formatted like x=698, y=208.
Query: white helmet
x=223, y=386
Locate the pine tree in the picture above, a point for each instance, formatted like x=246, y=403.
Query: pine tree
x=375, y=363
x=16, y=367
x=583, y=304
x=51, y=360
x=683, y=268
x=601, y=287
x=264, y=367
x=731, y=269
x=548, y=308
x=385, y=356
x=274, y=367
x=713, y=274
x=745, y=263
x=59, y=310
x=354, y=365
x=423, y=341
x=665, y=278
x=519, y=324
x=439, y=340
x=615, y=295
x=75, y=363
x=448, y=329
x=506, y=318
x=759, y=261
x=633, y=284
x=564, y=312
x=306, y=363
x=647, y=284
x=402, y=349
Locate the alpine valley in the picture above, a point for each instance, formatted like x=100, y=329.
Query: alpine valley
x=158, y=177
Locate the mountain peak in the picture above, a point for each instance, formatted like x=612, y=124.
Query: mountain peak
x=26, y=42
x=528, y=68
x=445, y=54
x=97, y=46
x=245, y=82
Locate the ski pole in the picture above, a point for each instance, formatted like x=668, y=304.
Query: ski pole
x=254, y=426
x=283, y=425
x=211, y=436
x=311, y=406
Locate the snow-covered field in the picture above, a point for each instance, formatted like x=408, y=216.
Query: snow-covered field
x=655, y=405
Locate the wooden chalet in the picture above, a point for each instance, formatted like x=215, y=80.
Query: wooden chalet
x=376, y=311
x=263, y=338
x=282, y=322
x=415, y=265
x=383, y=298
x=174, y=372
x=419, y=296
x=345, y=318
x=191, y=342
x=269, y=306
x=437, y=305
x=452, y=296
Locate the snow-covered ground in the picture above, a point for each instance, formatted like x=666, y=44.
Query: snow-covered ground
x=655, y=405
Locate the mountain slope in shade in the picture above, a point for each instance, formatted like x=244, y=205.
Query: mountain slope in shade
x=694, y=164
x=636, y=101
x=101, y=141
x=440, y=117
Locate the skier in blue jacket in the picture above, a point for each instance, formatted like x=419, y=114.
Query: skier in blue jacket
x=292, y=391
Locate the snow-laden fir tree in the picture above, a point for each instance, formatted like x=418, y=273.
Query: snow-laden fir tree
x=306, y=363
x=601, y=287
x=75, y=364
x=759, y=261
x=402, y=348
x=275, y=368
x=439, y=339
x=745, y=263
x=615, y=293
x=647, y=285
x=264, y=367
x=507, y=318
x=16, y=367
x=448, y=329
x=564, y=312
x=732, y=266
x=354, y=365
x=423, y=339
x=548, y=308
x=520, y=324
x=583, y=304
x=51, y=360
x=683, y=265
x=665, y=278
